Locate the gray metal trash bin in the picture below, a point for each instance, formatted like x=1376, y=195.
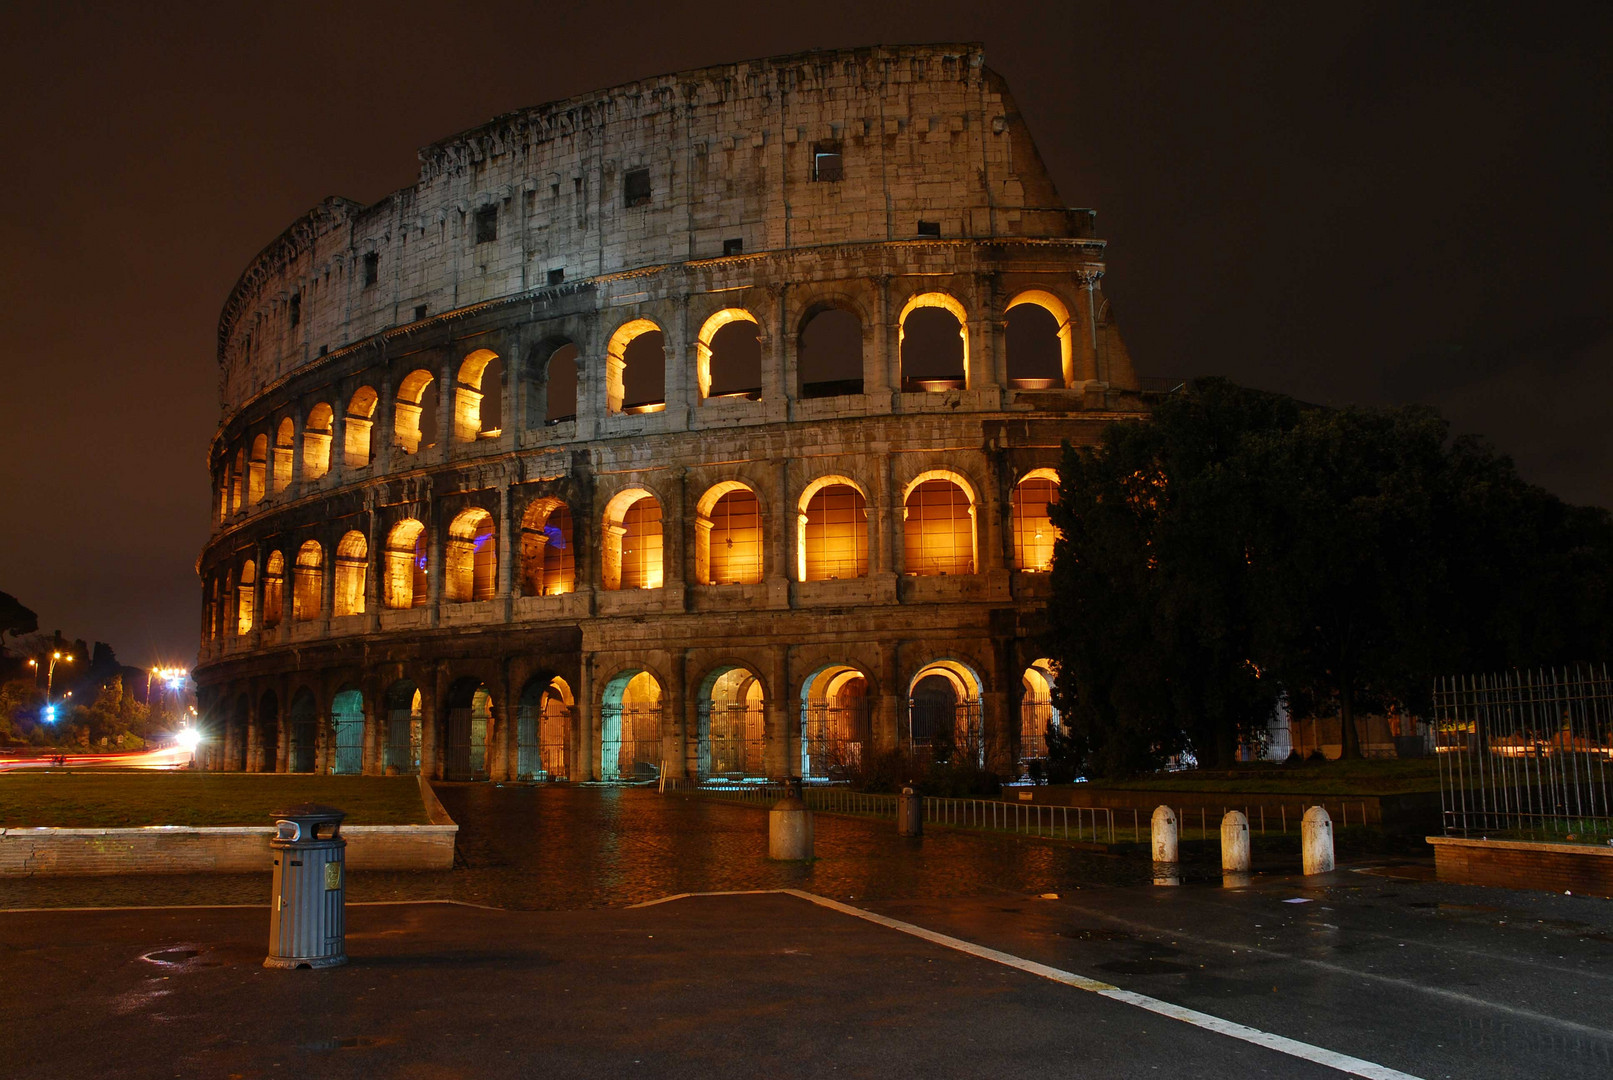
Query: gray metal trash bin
x=909, y=813
x=307, y=928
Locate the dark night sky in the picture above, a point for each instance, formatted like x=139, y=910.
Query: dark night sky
x=1364, y=204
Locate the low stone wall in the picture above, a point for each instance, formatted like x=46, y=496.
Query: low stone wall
x=1523, y=864
x=179, y=849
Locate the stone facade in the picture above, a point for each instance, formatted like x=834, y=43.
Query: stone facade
x=431, y=554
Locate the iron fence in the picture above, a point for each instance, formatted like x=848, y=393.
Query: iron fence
x=1524, y=755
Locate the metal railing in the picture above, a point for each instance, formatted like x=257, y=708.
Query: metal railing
x=1525, y=754
x=1080, y=823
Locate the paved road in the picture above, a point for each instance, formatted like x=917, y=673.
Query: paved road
x=1430, y=980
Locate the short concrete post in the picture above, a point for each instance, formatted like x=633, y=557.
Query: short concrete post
x=1235, y=842
x=1316, y=839
x=1164, y=831
x=789, y=826
x=909, y=813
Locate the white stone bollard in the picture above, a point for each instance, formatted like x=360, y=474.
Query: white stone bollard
x=789, y=829
x=1235, y=842
x=1316, y=839
x=1164, y=831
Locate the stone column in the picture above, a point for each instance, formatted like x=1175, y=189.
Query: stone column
x=507, y=556
x=675, y=712
x=779, y=567
x=781, y=725
x=432, y=695
x=585, y=729
x=882, y=354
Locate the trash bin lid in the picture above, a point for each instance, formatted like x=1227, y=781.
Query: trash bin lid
x=310, y=812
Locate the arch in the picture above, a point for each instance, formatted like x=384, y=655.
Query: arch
x=400, y=741
x=238, y=482
x=256, y=467
x=943, y=710
x=414, y=413
x=560, y=384
x=1041, y=351
x=308, y=588
x=931, y=359
x=245, y=590
x=632, y=558
x=1034, y=532
x=728, y=535
x=347, y=732
x=632, y=383
x=630, y=727
x=479, y=397
x=829, y=352
x=358, y=450
x=285, y=442
x=543, y=729
x=835, y=721
x=729, y=355
x=731, y=712
x=470, y=558
x=222, y=486
x=832, y=530
x=266, y=757
x=938, y=525
x=352, y=567
x=548, y=556
x=1036, y=710
x=404, y=582
x=302, y=752
x=468, y=730
x=274, y=590
x=316, y=436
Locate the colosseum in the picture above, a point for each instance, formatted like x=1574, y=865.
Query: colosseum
x=699, y=427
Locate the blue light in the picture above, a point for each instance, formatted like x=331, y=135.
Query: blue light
x=49, y=714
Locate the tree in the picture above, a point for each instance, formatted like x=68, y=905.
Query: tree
x=15, y=619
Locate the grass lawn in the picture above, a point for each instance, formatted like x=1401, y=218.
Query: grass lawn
x=108, y=800
x=1373, y=776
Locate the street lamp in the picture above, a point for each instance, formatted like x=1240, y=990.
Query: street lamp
x=50, y=677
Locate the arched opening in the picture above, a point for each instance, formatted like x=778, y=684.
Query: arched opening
x=245, y=590
x=630, y=728
x=943, y=714
x=303, y=752
x=352, y=569
x=548, y=560
x=316, y=436
x=468, y=731
x=543, y=729
x=470, y=558
x=635, y=369
x=1033, y=527
x=934, y=344
x=1036, y=711
x=829, y=356
x=405, y=584
x=238, y=482
x=835, y=725
x=938, y=531
x=414, y=414
x=729, y=361
x=400, y=744
x=479, y=397
x=267, y=756
x=236, y=735
x=274, y=589
x=560, y=384
x=255, y=469
x=222, y=487
x=728, y=536
x=285, y=442
x=832, y=530
x=1038, y=341
x=347, y=732
x=632, y=555
x=359, y=450
x=307, y=590
x=731, y=720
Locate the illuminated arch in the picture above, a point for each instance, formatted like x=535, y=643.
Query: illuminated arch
x=1034, y=533
x=939, y=534
x=308, y=588
x=630, y=727
x=1036, y=710
x=946, y=724
x=404, y=710
x=548, y=552
x=408, y=425
x=359, y=449
x=832, y=530
x=835, y=720
x=469, y=396
x=245, y=591
x=829, y=349
x=256, y=468
x=347, y=731
x=731, y=721
x=238, y=482
x=543, y=721
x=616, y=361
x=352, y=567
x=632, y=556
x=285, y=442
x=703, y=345
x=404, y=581
x=947, y=303
x=470, y=558
x=316, y=435
x=728, y=535
x=469, y=728
x=274, y=589
x=1066, y=330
